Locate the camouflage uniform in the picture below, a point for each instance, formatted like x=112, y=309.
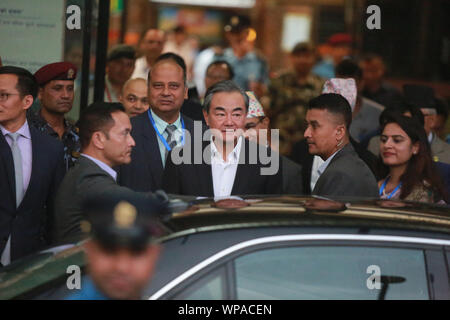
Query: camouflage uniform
x=70, y=138
x=288, y=105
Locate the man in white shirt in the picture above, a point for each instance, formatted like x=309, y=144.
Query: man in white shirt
x=151, y=45
x=231, y=165
x=106, y=142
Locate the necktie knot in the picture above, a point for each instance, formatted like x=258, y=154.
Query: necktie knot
x=14, y=136
x=171, y=128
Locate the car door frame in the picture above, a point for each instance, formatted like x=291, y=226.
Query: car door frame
x=436, y=264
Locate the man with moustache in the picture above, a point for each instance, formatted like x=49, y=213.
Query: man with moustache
x=120, y=64
x=231, y=164
x=106, y=142
x=56, y=94
x=161, y=128
x=134, y=97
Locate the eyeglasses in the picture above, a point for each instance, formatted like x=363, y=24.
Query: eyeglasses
x=4, y=96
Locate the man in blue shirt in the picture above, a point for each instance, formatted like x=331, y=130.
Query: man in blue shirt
x=251, y=71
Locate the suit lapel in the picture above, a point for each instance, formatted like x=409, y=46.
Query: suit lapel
x=205, y=171
x=348, y=148
x=8, y=162
x=244, y=170
x=36, y=164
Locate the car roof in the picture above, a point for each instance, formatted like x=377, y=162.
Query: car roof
x=258, y=211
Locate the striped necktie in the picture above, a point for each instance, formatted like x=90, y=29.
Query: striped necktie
x=170, y=129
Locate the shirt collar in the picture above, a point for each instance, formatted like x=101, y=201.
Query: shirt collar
x=24, y=130
x=103, y=166
x=324, y=165
x=161, y=125
x=233, y=157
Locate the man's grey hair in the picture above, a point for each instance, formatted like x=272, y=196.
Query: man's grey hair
x=224, y=86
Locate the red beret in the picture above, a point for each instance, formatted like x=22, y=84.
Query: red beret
x=340, y=38
x=56, y=71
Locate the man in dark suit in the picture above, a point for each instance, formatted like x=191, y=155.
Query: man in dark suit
x=31, y=167
x=161, y=128
x=106, y=142
x=257, y=128
x=231, y=165
x=343, y=174
x=301, y=155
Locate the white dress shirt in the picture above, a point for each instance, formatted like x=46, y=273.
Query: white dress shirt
x=103, y=166
x=141, y=68
x=25, y=146
x=319, y=166
x=317, y=162
x=224, y=172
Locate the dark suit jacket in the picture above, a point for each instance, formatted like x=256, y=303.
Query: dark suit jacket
x=196, y=179
x=444, y=171
x=194, y=110
x=85, y=179
x=301, y=155
x=347, y=176
x=29, y=224
x=292, y=176
x=145, y=171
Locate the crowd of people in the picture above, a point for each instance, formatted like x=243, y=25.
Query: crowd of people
x=341, y=131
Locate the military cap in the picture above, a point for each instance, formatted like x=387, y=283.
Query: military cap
x=237, y=24
x=340, y=39
x=419, y=96
x=122, y=220
x=56, y=71
x=121, y=51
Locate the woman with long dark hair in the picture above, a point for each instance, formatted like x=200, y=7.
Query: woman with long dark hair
x=406, y=159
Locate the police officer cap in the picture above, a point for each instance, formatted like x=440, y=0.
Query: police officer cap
x=122, y=220
x=237, y=24
x=419, y=96
x=121, y=51
x=55, y=71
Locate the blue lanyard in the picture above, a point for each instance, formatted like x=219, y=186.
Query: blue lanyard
x=384, y=186
x=164, y=141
